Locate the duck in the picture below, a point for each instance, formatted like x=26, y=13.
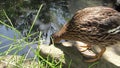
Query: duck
x=94, y=26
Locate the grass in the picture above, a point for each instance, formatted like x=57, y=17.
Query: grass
x=92, y=65
x=15, y=61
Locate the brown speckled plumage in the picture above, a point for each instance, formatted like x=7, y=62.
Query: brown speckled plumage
x=92, y=25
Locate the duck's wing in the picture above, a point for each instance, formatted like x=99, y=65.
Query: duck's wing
x=96, y=21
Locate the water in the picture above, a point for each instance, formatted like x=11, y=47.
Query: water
x=57, y=18
x=51, y=19
x=6, y=32
x=5, y=43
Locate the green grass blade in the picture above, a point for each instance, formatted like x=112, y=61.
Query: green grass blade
x=35, y=18
x=6, y=37
x=93, y=64
x=8, y=18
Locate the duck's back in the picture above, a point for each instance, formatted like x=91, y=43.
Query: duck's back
x=93, y=15
x=93, y=23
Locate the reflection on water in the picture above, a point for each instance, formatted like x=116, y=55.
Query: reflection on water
x=50, y=20
x=7, y=44
x=8, y=33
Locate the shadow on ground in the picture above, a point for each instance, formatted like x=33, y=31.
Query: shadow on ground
x=74, y=59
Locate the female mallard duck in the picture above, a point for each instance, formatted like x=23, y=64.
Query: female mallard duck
x=93, y=26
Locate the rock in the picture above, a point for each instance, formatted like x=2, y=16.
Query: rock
x=71, y=56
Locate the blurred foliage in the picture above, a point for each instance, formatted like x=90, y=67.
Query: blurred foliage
x=13, y=7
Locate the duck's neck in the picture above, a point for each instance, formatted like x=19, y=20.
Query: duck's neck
x=59, y=35
x=62, y=30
